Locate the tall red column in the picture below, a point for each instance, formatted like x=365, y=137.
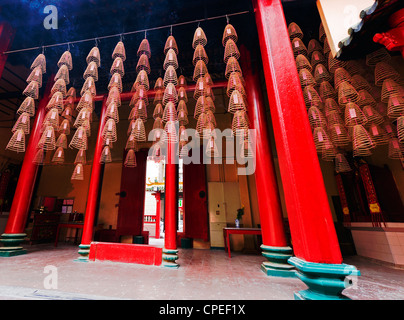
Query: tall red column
x=274, y=244
x=93, y=190
x=315, y=244
x=170, y=209
x=14, y=232
x=6, y=38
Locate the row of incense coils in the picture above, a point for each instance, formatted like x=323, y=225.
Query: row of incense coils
x=347, y=111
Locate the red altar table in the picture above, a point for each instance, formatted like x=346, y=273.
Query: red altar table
x=74, y=225
x=228, y=231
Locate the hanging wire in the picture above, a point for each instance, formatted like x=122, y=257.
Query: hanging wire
x=127, y=33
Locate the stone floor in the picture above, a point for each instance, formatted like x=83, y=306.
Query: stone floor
x=203, y=275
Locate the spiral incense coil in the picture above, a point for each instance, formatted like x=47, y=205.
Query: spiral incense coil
x=298, y=47
x=294, y=31
x=321, y=74
x=236, y=102
x=130, y=159
x=52, y=118
x=89, y=85
x=396, y=149
x=182, y=118
x=59, y=85
x=331, y=107
x=79, y=140
x=131, y=143
x=61, y=141
x=66, y=59
x=328, y=152
x=138, y=130
x=94, y=56
x=365, y=99
x=327, y=91
x=67, y=114
x=143, y=64
x=359, y=83
x=158, y=123
x=316, y=118
x=84, y=114
x=353, y=67
x=380, y=55
x=306, y=78
x=139, y=111
x=78, y=172
x=117, y=67
x=347, y=93
x=40, y=61
x=232, y=66
x=144, y=48
x=170, y=60
x=199, y=38
x=170, y=94
x=23, y=122
x=64, y=127
x=39, y=158
x=170, y=76
x=171, y=44
x=183, y=150
x=362, y=144
x=378, y=134
x=395, y=107
x=27, y=106
x=200, y=54
x=114, y=95
x=390, y=128
x=170, y=131
x=334, y=64
x=142, y=79
x=86, y=101
x=326, y=47
x=321, y=33
x=341, y=75
x=156, y=152
x=211, y=148
x=320, y=137
x=115, y=81
x=303, y=63
x=372, y=115
x=200, y=88
x=158, y=133
x=354, y=115
x=182, y=81
x=391, y=88
x=58, y=156
x=334, y=117
x=311, y=97
x=240, y=122
x=400, y=129
x=17, y=141
x=202, y=106
x=182, y=94
x=91, y=71
x=159, y=84
x=229, y=33
x=119, y=51
x=106, y=156
x=208, y=79
x=32, y=90
x=170, y=113
x=182, y=134
x=63, y=73
x=56, y=101
x=47, y=140
x=339, y=135
x=341, y=164
x=231, y=50
x=36, y=75
x=385, y=71
x=200, y=70
x=313, y=45
x=80, y=157
x=112, y=112
x=182, y=107
x=317, y=57
x=109, y=131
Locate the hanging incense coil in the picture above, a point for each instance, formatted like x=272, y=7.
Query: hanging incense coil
x=80, y=157
x=326, y=47
x=320, y=137
x=328, y=151
x=159, y=84
x=200, y=88
x=202, y=123
x=91, y=71
x=115, y=81
x=158, y=133
x=182, y=118
x=396, y=149
x=236, y=102
x=158, y=123
x=334, y=64
x=182, y=81
x=170, y=60
x=347, y=93
x=211, y=117
x=84, y=114
x=139, y=111
x=170, y=113
x=235, y=83
x=119, y=51
x=170, y=130
x=316, y=118
x=298, y=47
x=380, y=55
x=94, y=56
x=63, y=73
x=200, y=54
x=158, y=111
x=59, y=156
x=138, y=130
x=341, y=75
x=313, y=45
x=246, y=150
x=117, y=67
x=142, y=79
x=60, y=86
x=316, y=58
x=400, y=129
x=56, y=101
x=339, y=135
x=130, y=159
x=353, y=67
x=331, y=105
x=200, y=70
x=140, y=94
x=27, y=106
x=231, y=50
x=17, y=141
x=47, y=140
x=208, y=79
x=306, y=78
x=327, y=91
x=395, y=107
x=79, y=140
x=321, y=73
x=390, y=129
x=158, y=97
x=109, y=131
x=86, y=101
x=113, y=96
x=78, y=172
x=359, y=83
x=144, y=48
x=199, y=38
x=385, y=71
x=240, y=122
x=66, y=59
x=372, y=115
x=112, y=112
x=23, y=122
x=64, y=127
x=341, y=164
x=67, y=114
x=39, y=158
x=106, y=156
x=131, y=143
x=362, y=144
x=156, y=152
x=183, y=150
x=211, y=148
x=295, y=31
x=89, y=85
x=381, y=108
x=36, y=75
x=61, y=141
x=182, y=94
x=354, y=115
x=232, y=66
x=171, y=44
x=32, y=90
x=378, y=134
x=365, y=98
x=229, y=33
x=391, y=88
x=333, y=118
x=201, y=106
x=52, y=118
x=40, y=61
x=182, y=107
x=182, y=134
x=143, y=64
x=311, y=97
x=303, y=63
x=170, y=76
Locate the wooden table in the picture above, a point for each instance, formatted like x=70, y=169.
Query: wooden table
x=74, y=225
x=228, y=231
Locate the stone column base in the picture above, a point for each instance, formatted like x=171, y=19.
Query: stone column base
x=11, y=242
x=277, y=264
x=169, y=257
x=84, y=251
x=325, y=281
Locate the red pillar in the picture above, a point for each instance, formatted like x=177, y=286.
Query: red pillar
x=6, y=38
x=269, y=203
x=170, y=209
x=157, y=195
x=93, y=190
x=15, y=229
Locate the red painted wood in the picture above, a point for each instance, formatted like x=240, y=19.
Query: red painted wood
x=26, y=181
x=195, y=202
x=131, y=206
x=6, y=38
x=170, y=200
x=312, y=228
x=228, y=231
x=125, y=252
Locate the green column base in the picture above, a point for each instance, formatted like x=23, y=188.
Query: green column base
x=84, y=251
x=169, y=257
x=325, y=281
x=277, y=264
x=11, y=244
